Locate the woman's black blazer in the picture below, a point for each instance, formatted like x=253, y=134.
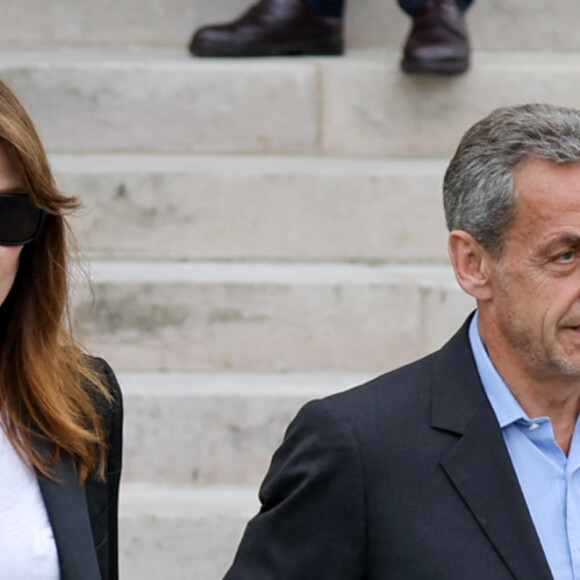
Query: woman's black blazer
x=84, y=517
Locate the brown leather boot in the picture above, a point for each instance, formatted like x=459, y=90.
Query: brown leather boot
x=438, y=42
x=272, y=28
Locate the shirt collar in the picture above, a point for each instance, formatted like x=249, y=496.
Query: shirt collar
x=505, y=406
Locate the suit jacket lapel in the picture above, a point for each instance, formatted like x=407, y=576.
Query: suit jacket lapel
x=479, y=465
x=66, y=505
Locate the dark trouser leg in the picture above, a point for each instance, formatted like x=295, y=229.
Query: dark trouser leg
x=327, y=7
x=410, y=6
x=336, y=7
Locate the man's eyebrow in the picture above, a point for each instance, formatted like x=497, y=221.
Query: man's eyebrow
x=563, y=240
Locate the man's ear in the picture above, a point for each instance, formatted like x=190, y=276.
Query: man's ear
x=472, y=265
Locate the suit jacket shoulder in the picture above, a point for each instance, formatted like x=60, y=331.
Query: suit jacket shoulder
x=406, y=477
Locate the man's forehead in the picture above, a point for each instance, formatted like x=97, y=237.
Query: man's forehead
x=548, y=182
x=547, y=203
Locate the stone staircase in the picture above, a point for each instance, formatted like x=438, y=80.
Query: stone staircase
x=260, y=232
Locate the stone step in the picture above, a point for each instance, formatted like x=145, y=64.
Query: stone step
x=181, y=533
x=255, y=207
x=495, y=24
x=205, y=429
x=150, y=316
x=145, y=100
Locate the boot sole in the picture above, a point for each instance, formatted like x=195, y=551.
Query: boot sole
x=434, y=67
x=335, y=48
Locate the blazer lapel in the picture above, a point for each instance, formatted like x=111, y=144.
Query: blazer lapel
x=66, y=505
x=479, y=465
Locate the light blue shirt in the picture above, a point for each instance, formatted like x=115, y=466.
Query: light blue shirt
x=550, y=481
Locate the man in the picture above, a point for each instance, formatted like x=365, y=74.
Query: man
x=465, y=464
x=437, y=42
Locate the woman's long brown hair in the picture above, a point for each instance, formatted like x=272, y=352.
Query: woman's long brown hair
x=48, y=388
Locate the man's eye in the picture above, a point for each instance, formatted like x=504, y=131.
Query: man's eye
x=567, y=256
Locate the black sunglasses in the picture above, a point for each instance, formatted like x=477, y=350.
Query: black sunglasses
x=20, y=220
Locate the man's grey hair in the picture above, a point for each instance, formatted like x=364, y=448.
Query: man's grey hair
x=478, y=191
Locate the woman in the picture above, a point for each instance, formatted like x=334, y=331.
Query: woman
x=60, y=410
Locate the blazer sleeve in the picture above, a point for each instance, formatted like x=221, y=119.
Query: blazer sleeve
x=113, y=421
x=311, y=525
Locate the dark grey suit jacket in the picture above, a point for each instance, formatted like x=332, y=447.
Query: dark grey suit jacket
x=404, y=478
x=84, y=518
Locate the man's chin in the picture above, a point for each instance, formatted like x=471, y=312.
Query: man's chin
x=569, y=367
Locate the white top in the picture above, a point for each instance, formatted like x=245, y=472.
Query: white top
x=27, y=546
